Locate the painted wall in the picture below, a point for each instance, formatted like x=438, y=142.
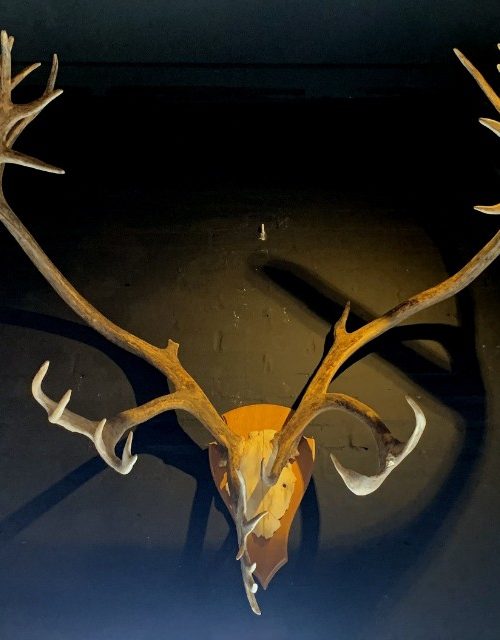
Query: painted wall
x=270, y=31
x=366, y=200
x=170, y=249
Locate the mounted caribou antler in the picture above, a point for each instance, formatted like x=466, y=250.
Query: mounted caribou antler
x=261, y=472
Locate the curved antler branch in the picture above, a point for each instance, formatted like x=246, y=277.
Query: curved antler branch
x=391, y=452
x=13, y=120
x=347, y=343
x=94, y=429
x=106, y=433
x=480, y=79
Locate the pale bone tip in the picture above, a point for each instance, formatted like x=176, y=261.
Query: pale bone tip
x=59, y=408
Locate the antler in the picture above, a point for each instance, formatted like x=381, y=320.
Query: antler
x=14, y=118
x=107, y=433
x=493, y=125
x=187, y=393
x=317, y=399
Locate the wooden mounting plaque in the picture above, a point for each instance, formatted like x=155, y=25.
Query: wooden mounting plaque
x=270, y=555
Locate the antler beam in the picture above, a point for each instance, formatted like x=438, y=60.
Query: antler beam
x=188, y=395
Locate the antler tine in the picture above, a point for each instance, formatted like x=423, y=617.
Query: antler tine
x=51, y=81
x=19, y=127
x=23, y=74
x=493, y=125
x=5, y=65
x=480, y=79
x=492, y=210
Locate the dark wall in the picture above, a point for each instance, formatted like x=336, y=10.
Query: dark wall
x=271, y=31
x=293, y=49
x=368, y=200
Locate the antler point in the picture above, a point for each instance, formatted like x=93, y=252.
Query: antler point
x=60, y=406
x=172, y=346
x=99, y=430
x=488, y=209
x=241, y=551
x=128, y=443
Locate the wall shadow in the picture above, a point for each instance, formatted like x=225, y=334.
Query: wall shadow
x=161, y=437
x=386, y=565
